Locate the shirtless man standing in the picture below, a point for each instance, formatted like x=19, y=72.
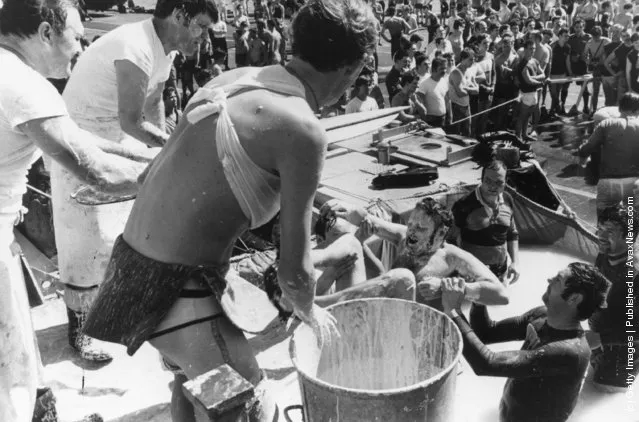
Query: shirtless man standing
x=249, y=145
x=276, y=41
x=396, y=27
x=422, y=250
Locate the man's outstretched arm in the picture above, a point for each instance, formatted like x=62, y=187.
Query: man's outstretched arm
x=482, y=286
x=548, y=360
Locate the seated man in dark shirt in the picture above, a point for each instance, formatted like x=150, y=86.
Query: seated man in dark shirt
x=608, y=338
x=485, y=219
x=545, y=376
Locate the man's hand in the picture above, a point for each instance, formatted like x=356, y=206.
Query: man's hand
x=453, y=292
x=512, y=274
x=430, y=287
x=323, y=324
x=366, y=229
x=121, y=177
x=352, y=214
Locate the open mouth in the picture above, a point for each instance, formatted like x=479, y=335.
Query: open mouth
x=411, y=240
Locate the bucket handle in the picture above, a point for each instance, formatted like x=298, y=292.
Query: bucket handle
x=293, y=407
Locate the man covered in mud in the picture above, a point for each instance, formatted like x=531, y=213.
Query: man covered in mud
x=486, y=222
x=422, y=249
x=545, y=376
x=608, y=338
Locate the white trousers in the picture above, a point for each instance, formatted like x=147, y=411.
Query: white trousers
x=19, y=359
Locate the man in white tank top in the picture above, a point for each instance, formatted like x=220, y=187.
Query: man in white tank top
x=115, y=91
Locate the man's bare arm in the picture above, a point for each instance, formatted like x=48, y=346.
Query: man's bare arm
x=132, y=86
x=394, y=233
x=154, y=108
x=482, y=286
x=79, y=152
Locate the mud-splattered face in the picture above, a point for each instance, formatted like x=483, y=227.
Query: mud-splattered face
x=493, y=183
x=425, y=233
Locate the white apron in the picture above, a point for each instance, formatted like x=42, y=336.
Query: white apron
x=85, y=234
x=19, y=359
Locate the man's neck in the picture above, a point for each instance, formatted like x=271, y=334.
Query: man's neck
x=436, y=77
x=319, y=84
x=29, y=51
x=166, y=35
x=562, y=322
x=362, y=97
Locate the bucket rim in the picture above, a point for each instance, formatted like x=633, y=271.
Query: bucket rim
x=388, y=391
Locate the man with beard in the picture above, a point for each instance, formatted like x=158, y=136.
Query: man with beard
x=609, y=339
x=115, y=91
x=545, y=376
x=422, y=249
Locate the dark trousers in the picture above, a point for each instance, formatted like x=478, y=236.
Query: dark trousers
x=435, y=121
x=460, y=112
x=221, y=44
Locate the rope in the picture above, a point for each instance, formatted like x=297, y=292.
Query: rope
x=46, y=195
x=486, y=111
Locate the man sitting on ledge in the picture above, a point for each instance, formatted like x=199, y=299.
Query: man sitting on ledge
x=545, y=376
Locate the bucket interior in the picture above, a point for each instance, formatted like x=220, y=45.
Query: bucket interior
x=384, y=344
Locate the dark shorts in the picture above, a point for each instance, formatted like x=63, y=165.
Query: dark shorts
x=499, y=269
x=610, y=365
x=137, y=294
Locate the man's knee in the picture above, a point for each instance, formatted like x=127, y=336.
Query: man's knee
x=402, y=284
x=351, y=244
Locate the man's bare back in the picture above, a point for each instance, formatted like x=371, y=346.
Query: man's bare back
x=171, y=219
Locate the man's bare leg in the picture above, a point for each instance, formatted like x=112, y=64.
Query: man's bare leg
x=333, y=255
x=395, y=284
x=181, y=408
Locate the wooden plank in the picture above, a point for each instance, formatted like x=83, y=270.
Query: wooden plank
x=345, y=120
x=341, y=134
x=570, y=79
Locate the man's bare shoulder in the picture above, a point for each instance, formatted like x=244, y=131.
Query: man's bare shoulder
x=286, y=120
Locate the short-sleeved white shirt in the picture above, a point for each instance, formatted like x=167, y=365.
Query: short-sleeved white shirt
x=91, y=94
x=25, y=95
x=355, y=105
x=435, y=94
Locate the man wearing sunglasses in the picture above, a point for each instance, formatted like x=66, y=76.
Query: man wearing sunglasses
x=115, y=91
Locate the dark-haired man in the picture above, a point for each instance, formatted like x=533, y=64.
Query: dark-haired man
x=578, y=41
x=486, y=222
x=531, y=79
x=545, y=376
x=461, y=85
x=115, y=91
x=610, y=341
x=560, y=68
x=396, y=27
x=616, y=140
x=38, y=39
x=227, y=135
x=407, y=97
x=400, y=65
x=361, y=100
x=421, y=248
x=434, y=93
